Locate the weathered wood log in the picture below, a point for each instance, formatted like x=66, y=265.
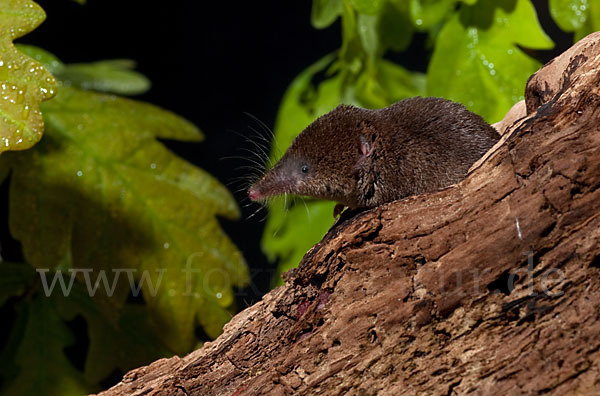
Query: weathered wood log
x=489, y=287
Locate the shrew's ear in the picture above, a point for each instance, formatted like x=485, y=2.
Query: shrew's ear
x=366, y=146
x=365, y=151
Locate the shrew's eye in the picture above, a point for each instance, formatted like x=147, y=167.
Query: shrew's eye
x=304, y=168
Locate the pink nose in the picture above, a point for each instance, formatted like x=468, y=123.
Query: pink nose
x=253, y=194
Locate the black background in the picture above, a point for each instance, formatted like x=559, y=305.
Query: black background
x=210, y=62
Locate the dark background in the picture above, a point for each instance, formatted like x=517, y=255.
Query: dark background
x=211, y=62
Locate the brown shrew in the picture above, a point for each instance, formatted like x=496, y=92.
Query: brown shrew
x=364, y=158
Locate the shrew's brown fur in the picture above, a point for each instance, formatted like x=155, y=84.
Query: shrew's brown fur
x=364, y=158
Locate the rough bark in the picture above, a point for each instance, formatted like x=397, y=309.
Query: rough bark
x=489, y=287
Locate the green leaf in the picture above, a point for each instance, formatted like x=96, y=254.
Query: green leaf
x=325, y=12
x=368, y=7
x=114, y=76
x=426, y=13
x=569, y=15
x=592, y=21
x=126, y=344
x=352, y=51
x=14, y=279
x=476, y=59
x=395, y=29
x=42, y=367
x=399, y=83
x=24, y=82
x=388, y=85
x=367, y=31
x=48, y=60
x=101, y=193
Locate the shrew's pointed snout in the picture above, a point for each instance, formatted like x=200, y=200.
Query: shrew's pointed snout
x=254, y=194
x=273, y=183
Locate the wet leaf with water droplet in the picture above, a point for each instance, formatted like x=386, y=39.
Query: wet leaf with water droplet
x=426, y=13
x=579, y=16
x=592, y=22
x=470, y=63
x=68, y=220
x=569, y=15
x=24, y=82
x=47, y=59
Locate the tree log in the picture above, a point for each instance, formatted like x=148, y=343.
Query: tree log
x=488, y=287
